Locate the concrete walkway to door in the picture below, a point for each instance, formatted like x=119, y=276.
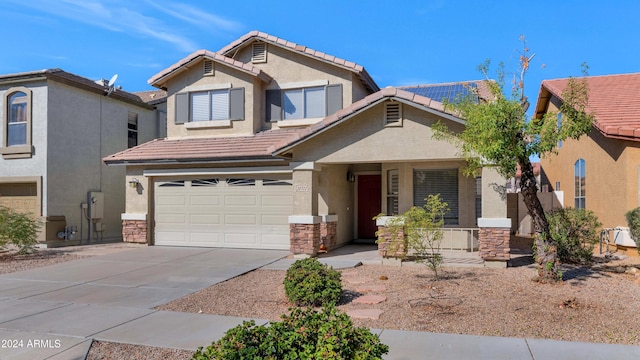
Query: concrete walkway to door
x=53, y=312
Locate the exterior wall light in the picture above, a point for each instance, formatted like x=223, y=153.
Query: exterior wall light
x=133, y=183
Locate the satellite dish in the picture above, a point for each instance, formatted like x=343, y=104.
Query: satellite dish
x=112, y=80
x=111, y=84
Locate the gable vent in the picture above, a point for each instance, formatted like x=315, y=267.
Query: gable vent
x=208, y=67
x=393, y=113
x=259, y=52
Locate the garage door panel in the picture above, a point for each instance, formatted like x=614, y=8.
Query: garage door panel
x=268, y=219
x=277, y=200
x=241, y=200
x=171, y=218
x=171, y=200
x=170, y=237
x=209, y=219
x=204, y=238
x=204, y=200
x=241, y=238
x=240, y=219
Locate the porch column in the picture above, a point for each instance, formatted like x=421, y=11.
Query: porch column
x=304, y=224
x=495, y=226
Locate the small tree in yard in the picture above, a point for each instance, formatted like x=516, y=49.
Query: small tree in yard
x=499, y=132
x=18, y=229
x=421, y=228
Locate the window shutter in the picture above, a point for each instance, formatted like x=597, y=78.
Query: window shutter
x=274, y=105
x=182, y=108
x=334, y=98
x=236, y=103
x=432, y=182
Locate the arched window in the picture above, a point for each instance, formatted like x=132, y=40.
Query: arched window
x=580, y=189
x=16, y=139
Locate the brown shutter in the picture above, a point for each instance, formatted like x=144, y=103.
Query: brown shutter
x=182, y=108
x=236, y=104
x=334, y=98
x=274, y=105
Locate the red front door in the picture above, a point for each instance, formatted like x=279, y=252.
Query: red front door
x=369, y=205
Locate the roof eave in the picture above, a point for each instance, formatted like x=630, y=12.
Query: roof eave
x=194, y=161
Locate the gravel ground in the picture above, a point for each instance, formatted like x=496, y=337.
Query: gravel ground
x=594, y=304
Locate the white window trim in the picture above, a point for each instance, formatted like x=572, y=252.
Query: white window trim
x=304, y=84
x=207, y=124
x=298, y=122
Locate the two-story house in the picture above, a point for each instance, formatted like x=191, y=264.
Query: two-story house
x=56, y=128
x=273, y=145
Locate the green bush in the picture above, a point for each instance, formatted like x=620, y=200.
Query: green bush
x=303, y=334
x=576, y=232
x=633, y=221
x=311, y=283
x=18, y=229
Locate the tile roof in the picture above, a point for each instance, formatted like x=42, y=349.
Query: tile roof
x=159, y=79
x=152, y=97
x=73, y=80
x=263, y=145
x=612, y=98
x=248, y=37
x=203, y=149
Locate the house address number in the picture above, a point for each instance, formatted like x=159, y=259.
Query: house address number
x=302, y=188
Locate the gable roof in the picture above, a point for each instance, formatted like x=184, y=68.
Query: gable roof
x=152, y=97
x=72, y=80
x=251, y=36
x=613, y=99
x=159, y=80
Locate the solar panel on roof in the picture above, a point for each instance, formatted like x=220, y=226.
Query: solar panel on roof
x=449, y=92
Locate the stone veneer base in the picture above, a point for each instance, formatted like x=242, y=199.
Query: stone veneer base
x=134, y=231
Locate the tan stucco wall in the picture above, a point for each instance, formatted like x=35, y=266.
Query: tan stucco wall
x=611, y=174
x=336, y=197
x=222, y=75
x=364, y=138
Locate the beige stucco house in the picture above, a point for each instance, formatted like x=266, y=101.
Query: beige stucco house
x=273, y=145
x=56, y=128
x=600, y=171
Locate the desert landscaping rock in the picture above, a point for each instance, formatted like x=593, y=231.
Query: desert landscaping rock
x=356, y=280
x=372, y=314
x=369, y=299
x=371, y=288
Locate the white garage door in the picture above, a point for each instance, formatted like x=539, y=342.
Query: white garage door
x=224, y=212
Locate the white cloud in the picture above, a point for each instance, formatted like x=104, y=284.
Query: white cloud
x=195, y=16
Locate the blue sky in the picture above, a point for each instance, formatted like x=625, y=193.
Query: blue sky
x=399, y=42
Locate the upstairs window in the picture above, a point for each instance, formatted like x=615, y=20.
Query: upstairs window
x=132, y=130
x=303, y=103
x=16, y=124
x=210, y=106
x=580, y=189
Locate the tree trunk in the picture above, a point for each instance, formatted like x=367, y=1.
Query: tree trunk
x=546, y=249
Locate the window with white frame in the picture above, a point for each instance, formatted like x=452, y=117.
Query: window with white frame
x=16, y=139
x=432, y=182
x=579, y=172
x=209, y=105
x=303, y=102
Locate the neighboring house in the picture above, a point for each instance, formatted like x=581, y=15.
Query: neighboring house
x=600, y=171
x=56, y=128
x=274, y=145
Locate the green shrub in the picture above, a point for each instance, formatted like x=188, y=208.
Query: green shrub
x=311, y=283
x=303, y=334
x=633, y=221
x=576, y=232
x=18, y=229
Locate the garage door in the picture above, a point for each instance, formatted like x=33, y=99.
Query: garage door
x=224, y=212
x=20, y=197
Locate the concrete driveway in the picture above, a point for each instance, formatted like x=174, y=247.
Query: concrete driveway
x=54, y=311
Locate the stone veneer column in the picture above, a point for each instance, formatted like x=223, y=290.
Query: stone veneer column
x=385, y=239
x=304, y=234
x=329, y=231
x=134, y=228
x=493, y=240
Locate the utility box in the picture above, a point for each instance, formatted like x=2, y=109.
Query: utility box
x=95, y=199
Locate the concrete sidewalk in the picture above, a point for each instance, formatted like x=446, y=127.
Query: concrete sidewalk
x=55, y=312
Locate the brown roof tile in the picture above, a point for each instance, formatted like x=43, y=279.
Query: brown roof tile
x=152, y=96
x=613, y=99
x=246, y=38
x=158, y=79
